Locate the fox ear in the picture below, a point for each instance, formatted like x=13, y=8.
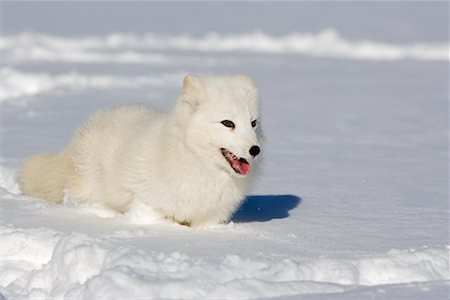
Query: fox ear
x=247, y=81
x=191, y=82
x=192, y=90
x=245, y=78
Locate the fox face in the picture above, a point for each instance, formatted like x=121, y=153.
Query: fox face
x=221, y=121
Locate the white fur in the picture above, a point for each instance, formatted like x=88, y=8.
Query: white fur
x=171, y=161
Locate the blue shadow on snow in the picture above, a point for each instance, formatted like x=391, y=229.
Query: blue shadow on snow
x=263, y=208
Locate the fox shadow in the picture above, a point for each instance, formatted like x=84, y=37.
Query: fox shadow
x=263, y=208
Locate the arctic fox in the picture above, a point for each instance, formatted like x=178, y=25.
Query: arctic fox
x=191, y=165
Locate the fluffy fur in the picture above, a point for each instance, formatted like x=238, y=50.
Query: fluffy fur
x=173, y=162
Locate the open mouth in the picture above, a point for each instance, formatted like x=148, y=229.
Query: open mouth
x=239, y=165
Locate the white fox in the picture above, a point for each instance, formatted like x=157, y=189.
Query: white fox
x=191, y=165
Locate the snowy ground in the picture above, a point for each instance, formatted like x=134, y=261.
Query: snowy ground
x=352, y=202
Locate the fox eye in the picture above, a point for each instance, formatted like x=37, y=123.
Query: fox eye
x=228, y=123
x=254, y=123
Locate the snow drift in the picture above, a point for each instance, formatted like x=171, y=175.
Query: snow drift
x=16, y=84
x=45, y=263
x=122, y=48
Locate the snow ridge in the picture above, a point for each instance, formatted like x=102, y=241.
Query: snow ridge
x=43, y=263
x=121, y=48
x=16, y=84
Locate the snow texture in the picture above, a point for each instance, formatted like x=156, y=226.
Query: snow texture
x=352, y=201
x=327, y=43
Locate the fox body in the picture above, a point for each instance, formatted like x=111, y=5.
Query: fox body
x=191, y=165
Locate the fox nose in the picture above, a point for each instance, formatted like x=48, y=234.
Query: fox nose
x=254, y=151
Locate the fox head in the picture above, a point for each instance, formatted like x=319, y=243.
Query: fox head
x=220, y=121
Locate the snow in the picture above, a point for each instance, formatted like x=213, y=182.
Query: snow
x=81, y=266
x=326, y=43
x=67, y=263
x=17, y=84
x=352, y=201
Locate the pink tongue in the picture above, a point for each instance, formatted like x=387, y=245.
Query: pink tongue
x=242, y=167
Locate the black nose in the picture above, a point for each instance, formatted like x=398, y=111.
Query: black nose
x=254, y=151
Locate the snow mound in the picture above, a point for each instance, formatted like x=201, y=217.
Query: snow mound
x=17, y=84
x=326, y=43
x=43, y=263
x=8, y=183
